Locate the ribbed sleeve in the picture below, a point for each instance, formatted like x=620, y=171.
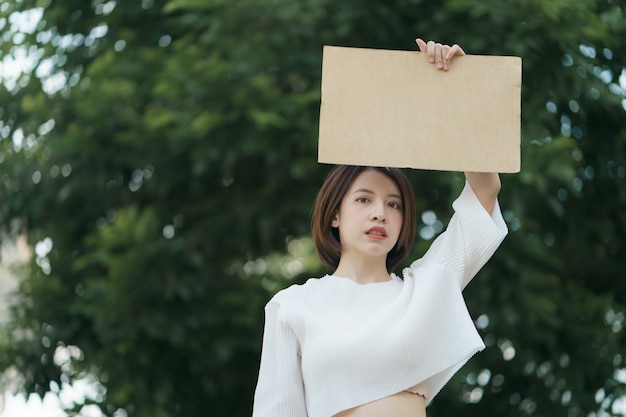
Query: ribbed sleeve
x=280, y=391
x=471, y=238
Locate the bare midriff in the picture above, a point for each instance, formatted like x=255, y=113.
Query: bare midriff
x=402, y=404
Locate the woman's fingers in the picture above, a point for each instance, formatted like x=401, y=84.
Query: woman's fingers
x=455, y=50
x=439, y=54
x=421, y=44
x=445, y=57
x=432, y=53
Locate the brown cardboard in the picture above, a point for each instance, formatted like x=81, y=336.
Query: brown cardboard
x=395, y=109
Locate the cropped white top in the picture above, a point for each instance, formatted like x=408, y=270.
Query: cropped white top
x=332, y=344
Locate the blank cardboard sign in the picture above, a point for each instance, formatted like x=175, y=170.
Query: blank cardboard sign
x=395, y=109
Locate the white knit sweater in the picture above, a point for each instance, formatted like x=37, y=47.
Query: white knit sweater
x=332, y=344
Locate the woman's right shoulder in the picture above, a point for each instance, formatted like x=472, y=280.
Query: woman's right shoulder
x=299, y=293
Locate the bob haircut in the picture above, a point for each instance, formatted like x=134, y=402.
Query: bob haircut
x=328, y=202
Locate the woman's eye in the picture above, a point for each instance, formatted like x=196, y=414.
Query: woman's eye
x=362, y=199
x=394, y=205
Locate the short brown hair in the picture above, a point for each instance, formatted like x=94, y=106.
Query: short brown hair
x=328, y=202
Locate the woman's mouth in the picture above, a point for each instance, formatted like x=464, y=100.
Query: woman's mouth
x=377, y=232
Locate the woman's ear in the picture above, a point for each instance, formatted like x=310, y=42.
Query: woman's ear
x=335, y=222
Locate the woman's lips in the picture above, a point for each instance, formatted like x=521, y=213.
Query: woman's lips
x=377, y=232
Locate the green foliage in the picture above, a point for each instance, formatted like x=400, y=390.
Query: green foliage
x=173, y=171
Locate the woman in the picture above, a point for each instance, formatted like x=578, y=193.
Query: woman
x=363, y=342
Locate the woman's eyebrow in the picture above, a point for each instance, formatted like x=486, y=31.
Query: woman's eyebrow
x=365, y=190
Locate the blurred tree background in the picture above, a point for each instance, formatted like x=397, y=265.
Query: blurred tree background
x=160, y=157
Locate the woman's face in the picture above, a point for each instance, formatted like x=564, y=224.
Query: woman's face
x=370, y=216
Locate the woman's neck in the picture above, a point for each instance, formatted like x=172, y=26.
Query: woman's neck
x=363, y=271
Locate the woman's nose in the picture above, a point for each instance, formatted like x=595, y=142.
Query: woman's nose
x=378, y=213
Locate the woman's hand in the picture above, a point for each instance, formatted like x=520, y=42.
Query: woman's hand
x=440, y=54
